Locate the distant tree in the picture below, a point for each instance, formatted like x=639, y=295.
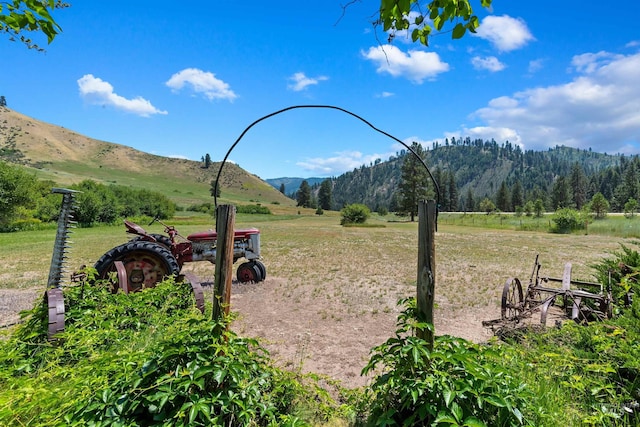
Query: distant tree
x=469, y=203
x=629, y=188
x=486, y=205
x=453, y=192
x=560, y=194
x=528, y=208
x=303, y=196
x=502, y=198
x=213, y=190
x=413, y=183
x=282, y=188
x=3, y=101
x=630, y=207
x=538, y=208
x=18, y=16
x=324, y=195
x=599, y=205
x=579, y=185
x=517, y=196
x=207, y=161
x=17, y=189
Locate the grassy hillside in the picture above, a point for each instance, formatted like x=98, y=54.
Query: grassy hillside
x=67, y=157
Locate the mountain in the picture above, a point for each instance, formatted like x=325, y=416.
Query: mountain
x=291, y=185
x=477, y=167
x=66, y=157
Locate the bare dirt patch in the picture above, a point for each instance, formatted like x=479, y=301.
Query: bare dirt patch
x=13, y=301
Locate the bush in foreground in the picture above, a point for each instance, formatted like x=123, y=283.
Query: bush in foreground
x=147, y=358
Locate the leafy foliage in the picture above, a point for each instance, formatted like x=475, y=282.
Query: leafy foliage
x=401, y=15
x=458, y=383
x=17, y=188
x=567, y=220
x=18, y=16
x=146, y=358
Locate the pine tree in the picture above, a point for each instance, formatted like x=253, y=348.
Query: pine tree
x=517, y=198
x=324, y=195
x=303, y=196
x=282, y=188
x=470, y=204
x=578, y=183
x=413, y=182
x=560, y=194
x=453, y=193
x=3, y=101
x=502, y=198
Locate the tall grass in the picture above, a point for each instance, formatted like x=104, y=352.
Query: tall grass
x=615, y=225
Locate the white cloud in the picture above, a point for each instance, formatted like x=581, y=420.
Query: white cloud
x=535, y=65
x=489, y=63
x=97, y=91
x=385, y=94
x=299, y=81
x=415, y=65
x=504, y=32
x=342, y=162
x=599, y=109
x=590, y=62
x=203, y=82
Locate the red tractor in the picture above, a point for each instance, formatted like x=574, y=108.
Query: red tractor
x=149, y=257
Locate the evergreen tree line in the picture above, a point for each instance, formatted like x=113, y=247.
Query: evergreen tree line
x=470, y=171
x=27, y=202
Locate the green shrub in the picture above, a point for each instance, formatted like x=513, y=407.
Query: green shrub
x=567, y=220
x=146, y=358
x=354, y=214
x=458, y=383
x=253, y=209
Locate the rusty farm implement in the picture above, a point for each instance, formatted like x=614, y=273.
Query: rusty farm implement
x=576, y=300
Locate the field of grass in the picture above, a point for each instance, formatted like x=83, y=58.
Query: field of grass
x=616, y=225
x=471, y=261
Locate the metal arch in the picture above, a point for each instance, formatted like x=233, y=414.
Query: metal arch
x=331, y=107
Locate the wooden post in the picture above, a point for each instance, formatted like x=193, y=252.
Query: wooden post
x=426, y=266
x=225, y=220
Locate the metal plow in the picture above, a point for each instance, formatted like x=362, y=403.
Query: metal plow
x=574, y=299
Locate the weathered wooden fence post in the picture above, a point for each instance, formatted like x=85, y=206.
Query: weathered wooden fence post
x=426, y=266
x=225, y=221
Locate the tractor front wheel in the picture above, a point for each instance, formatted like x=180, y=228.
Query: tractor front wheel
x=249, y=272
x=146, y=263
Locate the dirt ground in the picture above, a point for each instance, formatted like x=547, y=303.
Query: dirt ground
x=302, y=338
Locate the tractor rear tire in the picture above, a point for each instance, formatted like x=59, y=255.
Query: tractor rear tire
x=161, y=239
x=146, y=263
x=249, y=272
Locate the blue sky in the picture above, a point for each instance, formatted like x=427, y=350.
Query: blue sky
x=185, y=79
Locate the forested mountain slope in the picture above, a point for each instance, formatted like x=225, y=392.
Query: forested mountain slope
x=478, y=168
